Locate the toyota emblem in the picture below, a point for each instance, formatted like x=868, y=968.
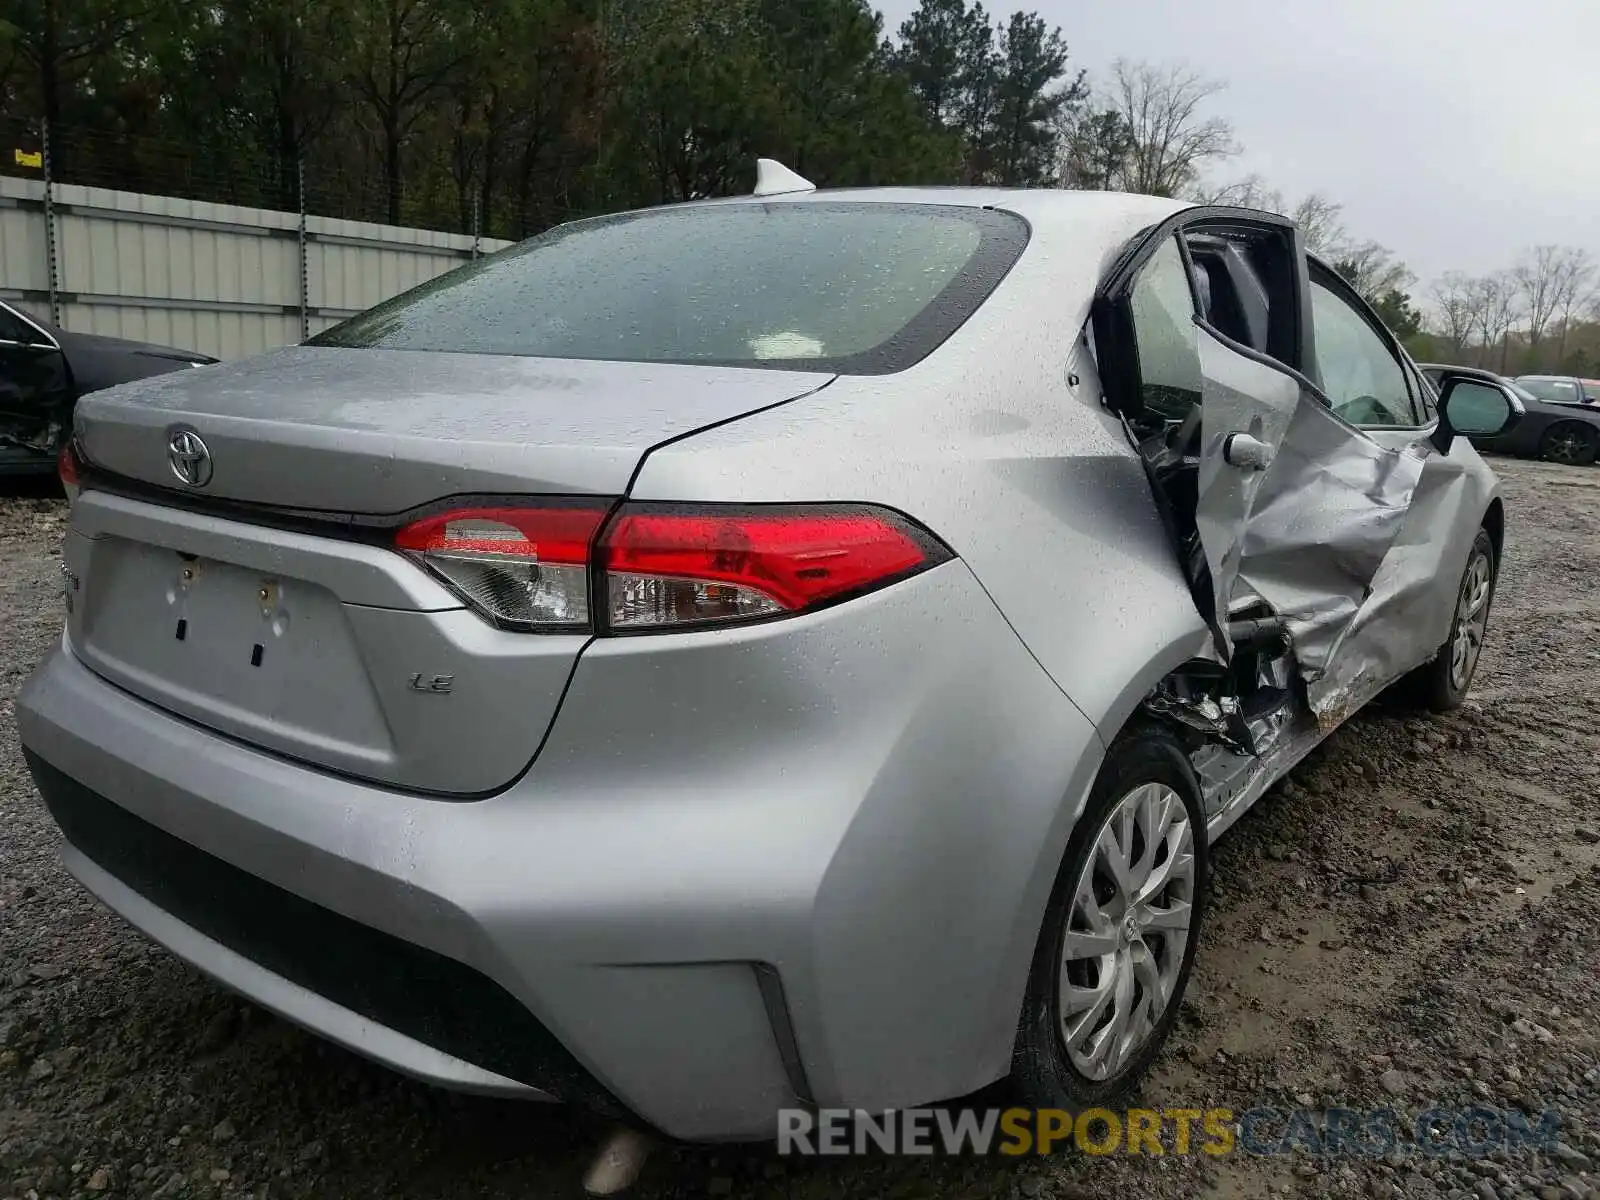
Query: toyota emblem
x=188, y=457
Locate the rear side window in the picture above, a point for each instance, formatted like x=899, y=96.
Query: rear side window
x=838, y=287
x=1164, y=331
x=14, y=329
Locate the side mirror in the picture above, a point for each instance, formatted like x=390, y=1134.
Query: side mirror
x=1474, y=408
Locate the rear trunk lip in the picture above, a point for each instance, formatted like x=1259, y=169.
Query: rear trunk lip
x=395, y=581
x=381, y=432
x=369, y=528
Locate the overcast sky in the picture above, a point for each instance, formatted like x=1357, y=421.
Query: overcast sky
x=1455, y=134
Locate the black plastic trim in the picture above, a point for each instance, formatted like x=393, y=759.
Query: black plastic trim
x=770, y=983
x=436, y=1000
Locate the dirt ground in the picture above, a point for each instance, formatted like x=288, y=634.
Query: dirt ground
x=1411, y=920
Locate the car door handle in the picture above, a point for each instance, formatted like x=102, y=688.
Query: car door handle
x=1246, y=452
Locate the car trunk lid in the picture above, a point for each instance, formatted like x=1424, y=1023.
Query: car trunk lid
x=337, y=650
x=382, y=431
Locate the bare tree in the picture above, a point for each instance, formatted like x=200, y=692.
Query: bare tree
x=1455, y=306
x=1250, y=192
x=1320, y=219
x=1537, y=276
x=1574, y=287
x=1160, y=107
x=1321, y=222
x=1496, y=299
x=401, y=53
x=1371, y=269
x=1094, y=144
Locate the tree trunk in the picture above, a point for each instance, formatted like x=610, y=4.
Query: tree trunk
x=486, y=190
x=391, y=167
x=464, y=189
x=288, y=158
x=391, y=121
x=491, y=138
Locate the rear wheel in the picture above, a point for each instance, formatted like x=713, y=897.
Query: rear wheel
x=1571, y=443
x=1441, y=684
x=1118, y=942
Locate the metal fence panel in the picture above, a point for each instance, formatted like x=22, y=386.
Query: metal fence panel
x=221, y=279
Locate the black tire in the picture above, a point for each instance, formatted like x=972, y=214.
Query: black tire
x=1042, y=1068
x=1571, y=443
x=1435, y=686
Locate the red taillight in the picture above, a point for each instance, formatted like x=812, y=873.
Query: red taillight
x=665, y=567
x=525, y=568
x=68, y=467
x=70, y=470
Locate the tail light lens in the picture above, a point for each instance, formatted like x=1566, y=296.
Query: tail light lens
x=667, y=568
x=70, y=470
x=524, y=568
x=659, y=568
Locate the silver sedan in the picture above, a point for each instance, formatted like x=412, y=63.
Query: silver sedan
x=794, y=649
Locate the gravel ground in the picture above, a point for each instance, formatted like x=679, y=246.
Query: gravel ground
x=1410, y=921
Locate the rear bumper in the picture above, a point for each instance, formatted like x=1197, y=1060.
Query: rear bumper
x=795, y=862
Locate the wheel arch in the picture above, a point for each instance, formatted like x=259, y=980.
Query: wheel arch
x=1494, y=521
x=1166, y=660
x=1589, y=429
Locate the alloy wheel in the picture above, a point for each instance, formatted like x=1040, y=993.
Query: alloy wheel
x=1127, y=930
x=1568, y=446
x=1472, y=618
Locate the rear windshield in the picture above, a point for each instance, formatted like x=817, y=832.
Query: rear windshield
x=858, y=288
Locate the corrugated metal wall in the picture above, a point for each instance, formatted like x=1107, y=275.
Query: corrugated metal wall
x=216, y=278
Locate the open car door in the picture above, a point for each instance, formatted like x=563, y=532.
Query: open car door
x=1289, y=517
x=36, y=391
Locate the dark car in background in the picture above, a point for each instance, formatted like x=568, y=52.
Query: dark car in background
x=1561, y=389
x=1560, y=430
x=43, y=371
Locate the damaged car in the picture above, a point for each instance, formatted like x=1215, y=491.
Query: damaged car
x=43, y=371
x=792, y=649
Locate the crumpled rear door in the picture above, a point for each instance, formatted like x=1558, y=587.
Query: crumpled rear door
x=1321, y=521
x=1410, y=603
x=1354, y=537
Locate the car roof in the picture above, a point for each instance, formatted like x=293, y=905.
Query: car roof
x=1105, y=219
x=1036, y=200
x=1475, y=372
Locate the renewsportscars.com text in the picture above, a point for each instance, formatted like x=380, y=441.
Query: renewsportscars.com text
x=1474, y=1132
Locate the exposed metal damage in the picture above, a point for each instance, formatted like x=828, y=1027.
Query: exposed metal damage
x=1314, y=607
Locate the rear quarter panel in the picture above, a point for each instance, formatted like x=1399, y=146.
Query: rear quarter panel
x=998, y=443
